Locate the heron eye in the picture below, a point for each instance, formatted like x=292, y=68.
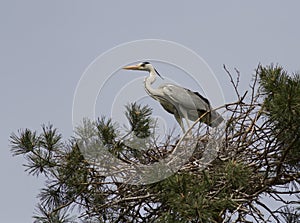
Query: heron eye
x=144, y=64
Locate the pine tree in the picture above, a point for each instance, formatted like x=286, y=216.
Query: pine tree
x=259, y=158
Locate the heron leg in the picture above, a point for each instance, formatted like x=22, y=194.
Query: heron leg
x=179, y=120
x=188, y=123
x=189, y=126
x=185, y=116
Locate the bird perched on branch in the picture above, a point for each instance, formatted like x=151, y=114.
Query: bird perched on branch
x=179, y=101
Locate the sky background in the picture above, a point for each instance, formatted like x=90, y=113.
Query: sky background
x=46, y=46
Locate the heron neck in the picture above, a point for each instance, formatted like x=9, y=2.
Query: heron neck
x=148, y=82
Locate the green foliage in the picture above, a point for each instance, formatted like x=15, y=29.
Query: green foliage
x=71, y=179
x=203, y=197
x=73, y=173
x=38, y=150
x=26, y=142
x=237, y=175
x=51, y=217
x=50, y=139
x=282, y=103
x=139, y=119
x=107, y=131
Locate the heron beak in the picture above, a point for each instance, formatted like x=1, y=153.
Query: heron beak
x=132, y=67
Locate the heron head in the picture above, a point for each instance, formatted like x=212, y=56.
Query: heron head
x=145, y=66
x=141, y=66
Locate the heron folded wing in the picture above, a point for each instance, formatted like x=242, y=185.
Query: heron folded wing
x=184, y=98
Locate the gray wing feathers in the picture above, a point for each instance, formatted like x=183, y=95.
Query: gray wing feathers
x=190, y=104
x=183, y=97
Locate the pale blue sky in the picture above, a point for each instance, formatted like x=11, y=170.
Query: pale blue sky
x=46, y=45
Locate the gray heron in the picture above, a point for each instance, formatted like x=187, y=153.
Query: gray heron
x=179, y=101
